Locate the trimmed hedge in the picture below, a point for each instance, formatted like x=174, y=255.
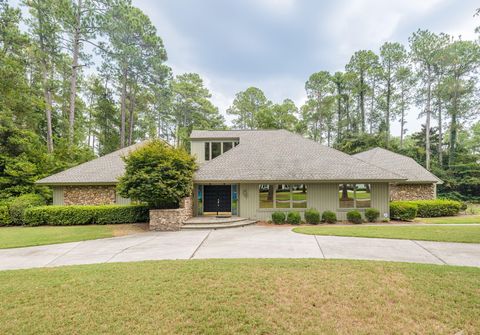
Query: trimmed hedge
x=424, y=208
x=5, y=219
x=19, y=205
x=278, y=217
x=294, y=218
x=354, y=217
x=329, y=217
x=83, y=215
x=438, y=207
x=372, y=214
x=403, y=210
x=312, y=216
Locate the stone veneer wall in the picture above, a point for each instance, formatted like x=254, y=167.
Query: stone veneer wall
x=412, y=192
x=89, y=195
x=171, y=219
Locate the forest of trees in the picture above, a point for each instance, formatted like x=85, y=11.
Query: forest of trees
x=82, y=78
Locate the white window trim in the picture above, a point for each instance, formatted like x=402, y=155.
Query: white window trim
x=221, y=147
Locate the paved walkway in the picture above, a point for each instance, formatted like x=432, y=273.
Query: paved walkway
x=247, y=242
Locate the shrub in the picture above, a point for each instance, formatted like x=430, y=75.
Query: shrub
x=18, y=206
x=429, y=208
x=278, y=217
x=294, y=218
x=312, y=216
x=82, y=215
x=354, y=217
x=5, y=216
x=157, y=174
x=403, y=210
x=437, y=207
x=329, y=217
x=372, y=214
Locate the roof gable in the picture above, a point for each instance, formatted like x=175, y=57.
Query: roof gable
x=279, y=155
x=102, y=170
x=402, y=165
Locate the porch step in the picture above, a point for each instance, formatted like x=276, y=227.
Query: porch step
x=214, y=220
x=234, y=224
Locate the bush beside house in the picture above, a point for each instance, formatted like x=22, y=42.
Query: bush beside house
x=18, y=205
x=408, y=210
x=278, y=217
x=354, y=217
x=157, y=174
x=294, y=218
x=83, y=215
x=372, y=214
x=312, y=216
x=329, y=217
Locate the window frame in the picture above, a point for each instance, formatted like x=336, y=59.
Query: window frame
x=291, y=201
x=354, y=196
x=222, y=151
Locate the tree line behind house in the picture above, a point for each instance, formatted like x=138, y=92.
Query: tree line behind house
x=82, y=78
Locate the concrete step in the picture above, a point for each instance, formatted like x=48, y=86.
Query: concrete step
x=236, y=224
x=214, y=220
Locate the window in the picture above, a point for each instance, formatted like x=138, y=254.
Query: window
x=283, y=196
x=299, y=196
x=227, y=146
x=216, y=149
x=234, y=200
x=354, y=196
x=207, y=151
x=266, y=196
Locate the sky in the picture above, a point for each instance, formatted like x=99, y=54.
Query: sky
x=276, y=45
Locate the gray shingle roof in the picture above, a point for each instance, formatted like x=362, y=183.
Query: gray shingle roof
x=103, y=170
x=278, y=155
x=402, y=165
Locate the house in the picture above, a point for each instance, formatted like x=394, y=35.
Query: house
x=252, y=173
x=90, y=183
x=419, y=183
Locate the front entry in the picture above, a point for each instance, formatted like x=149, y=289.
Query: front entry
x=218, y=198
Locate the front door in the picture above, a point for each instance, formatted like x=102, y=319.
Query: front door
x=217, y=198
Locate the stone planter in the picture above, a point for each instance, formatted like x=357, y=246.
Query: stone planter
x=171, y=219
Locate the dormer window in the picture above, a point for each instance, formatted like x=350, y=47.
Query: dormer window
x=215, y=149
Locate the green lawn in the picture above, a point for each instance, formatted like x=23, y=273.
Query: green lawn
x=14, y=237
x=241, y=297
x=462, y=219
x=468, y=234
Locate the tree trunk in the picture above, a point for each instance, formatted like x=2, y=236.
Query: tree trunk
x=440, y=134
x=47, y=94
x=131, y=112
x=453, y=126
x=123, y=99
x=427, y=121
x=73, y=80
x=362, y=102
x=402, y=118
x=387, y=114
x=48, y=110
x=339, y=112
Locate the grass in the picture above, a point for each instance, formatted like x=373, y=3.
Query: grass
x=466, y=234
x=241, y=297
x=14, y=237
x=462, y=219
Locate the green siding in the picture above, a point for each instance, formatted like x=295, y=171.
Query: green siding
x=320, y=196
x=58, y=195
x=119, y=200
x=197, y=149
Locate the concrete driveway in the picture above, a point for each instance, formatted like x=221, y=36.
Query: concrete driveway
x=247, y=242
